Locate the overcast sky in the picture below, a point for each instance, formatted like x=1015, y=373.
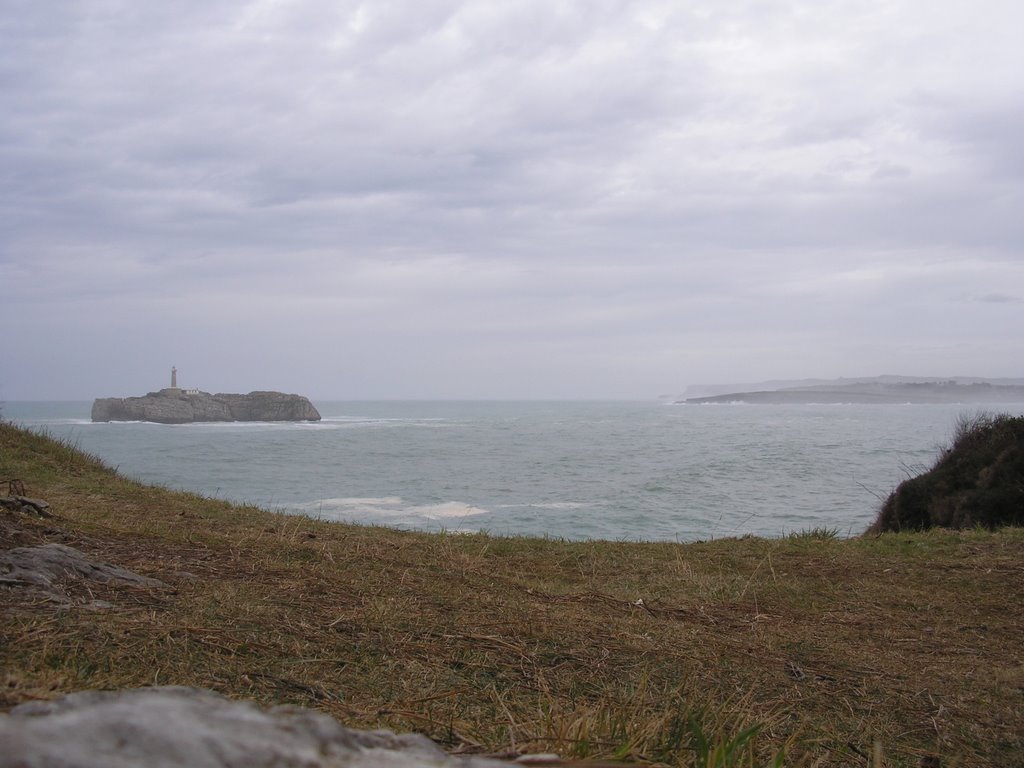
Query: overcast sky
x=490, y=199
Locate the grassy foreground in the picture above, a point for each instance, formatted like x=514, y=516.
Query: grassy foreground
x=890, y=650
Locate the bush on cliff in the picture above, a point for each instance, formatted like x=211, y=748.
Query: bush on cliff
x=977, y=481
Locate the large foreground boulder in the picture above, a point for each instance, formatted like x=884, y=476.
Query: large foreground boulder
x=978, y=481
x=175, y=727
x=179, y=406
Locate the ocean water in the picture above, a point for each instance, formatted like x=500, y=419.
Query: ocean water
x=575, y=470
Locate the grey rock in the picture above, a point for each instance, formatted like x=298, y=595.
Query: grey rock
x=43, y=567
x=174, y=727
x=177, y=406
x=24, y=504
x=269, y=406
x=41, y=507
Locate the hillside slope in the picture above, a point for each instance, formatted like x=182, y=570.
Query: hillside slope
x=586, y=649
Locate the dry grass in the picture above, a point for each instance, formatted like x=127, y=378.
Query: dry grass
x=667, y=653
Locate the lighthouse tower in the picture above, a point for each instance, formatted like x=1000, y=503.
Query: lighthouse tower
x=174, y=377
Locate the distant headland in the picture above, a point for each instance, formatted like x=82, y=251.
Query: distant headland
x=174, y=405
x=892, y=390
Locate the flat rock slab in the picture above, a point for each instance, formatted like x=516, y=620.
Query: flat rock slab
x=36, y=507
x=174, y=727
x=45, y=566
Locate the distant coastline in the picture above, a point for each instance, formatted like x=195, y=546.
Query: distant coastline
x=882, y=390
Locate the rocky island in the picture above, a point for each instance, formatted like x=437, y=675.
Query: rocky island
x=176, y=406
x=173, y=405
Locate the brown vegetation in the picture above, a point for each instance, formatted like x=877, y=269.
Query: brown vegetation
x=835, y=650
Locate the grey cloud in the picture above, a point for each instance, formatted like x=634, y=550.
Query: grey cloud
x=644, y=181
x=997, y=298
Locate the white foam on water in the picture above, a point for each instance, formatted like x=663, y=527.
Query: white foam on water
x=546, y=505
x=236, y=425
x=360, y=423
x=445, y=511
x=382, y=503
x=389, y=507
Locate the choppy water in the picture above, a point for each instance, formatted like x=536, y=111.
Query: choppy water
x=637, y=471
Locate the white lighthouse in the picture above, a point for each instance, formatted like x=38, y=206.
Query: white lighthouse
x=176, y=389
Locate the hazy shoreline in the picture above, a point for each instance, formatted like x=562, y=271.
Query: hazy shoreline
x=881, y=393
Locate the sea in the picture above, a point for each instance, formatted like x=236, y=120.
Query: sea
x=621, y=471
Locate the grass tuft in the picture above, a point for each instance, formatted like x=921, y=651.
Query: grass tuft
x=816, y=534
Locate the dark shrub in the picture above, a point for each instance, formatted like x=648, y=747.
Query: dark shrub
x=978, y=481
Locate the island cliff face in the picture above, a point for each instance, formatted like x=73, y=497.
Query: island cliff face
x=176, y=406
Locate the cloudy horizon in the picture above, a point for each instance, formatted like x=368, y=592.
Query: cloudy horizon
x=507, y=199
